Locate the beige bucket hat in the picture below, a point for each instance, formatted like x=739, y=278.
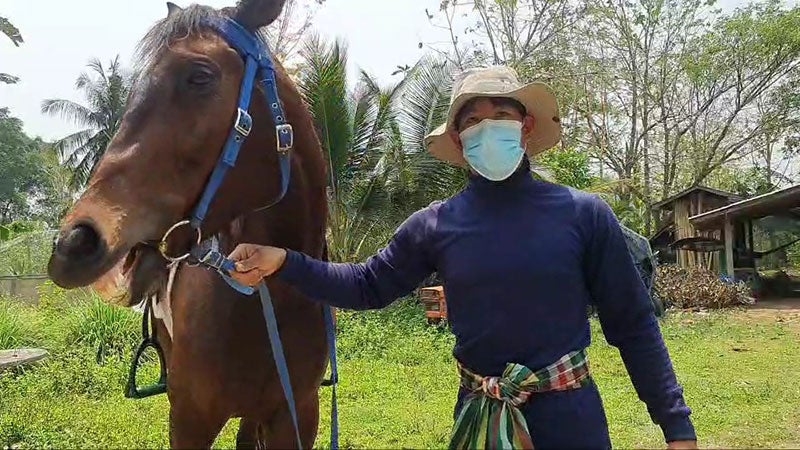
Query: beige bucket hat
x=498, y=81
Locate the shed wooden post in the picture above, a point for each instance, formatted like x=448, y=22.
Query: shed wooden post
x=728, y=247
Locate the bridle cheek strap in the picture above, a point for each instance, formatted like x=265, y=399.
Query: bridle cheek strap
x=258, y=64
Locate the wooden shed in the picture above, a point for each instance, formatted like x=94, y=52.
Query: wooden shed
x=677, y=239
x=735, y=223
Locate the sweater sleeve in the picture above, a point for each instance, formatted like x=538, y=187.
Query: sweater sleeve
x=628, y=322
x=393, y=272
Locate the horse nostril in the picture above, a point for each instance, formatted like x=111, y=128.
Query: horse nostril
x=81, y=242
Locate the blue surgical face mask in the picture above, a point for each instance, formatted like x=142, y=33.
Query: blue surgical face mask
x=492, y=148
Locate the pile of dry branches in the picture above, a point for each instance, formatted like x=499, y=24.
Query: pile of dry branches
x=696, y=287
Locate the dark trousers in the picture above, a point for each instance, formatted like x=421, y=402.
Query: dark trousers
x=564, y=420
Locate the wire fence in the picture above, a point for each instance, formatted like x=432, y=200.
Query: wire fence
x=26, y=253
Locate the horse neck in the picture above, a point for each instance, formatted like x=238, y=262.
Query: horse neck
x=288, y=224
x=298, y=220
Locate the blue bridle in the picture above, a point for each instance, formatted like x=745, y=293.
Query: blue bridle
x=258, y=65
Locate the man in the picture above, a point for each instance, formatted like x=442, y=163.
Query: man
x=645, y=263
x=521, y=259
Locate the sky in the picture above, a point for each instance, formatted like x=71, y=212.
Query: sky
x=62, y=36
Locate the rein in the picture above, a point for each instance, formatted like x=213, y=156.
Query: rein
x=258, y=63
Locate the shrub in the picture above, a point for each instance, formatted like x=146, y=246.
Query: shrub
x=25, y=253
x=696, y=287
x=108, y=328
x=17, y=326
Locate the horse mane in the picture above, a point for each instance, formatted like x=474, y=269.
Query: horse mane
x=181, y=24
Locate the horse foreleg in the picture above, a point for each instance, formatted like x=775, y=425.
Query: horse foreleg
x=280, y=428
x=189, y=427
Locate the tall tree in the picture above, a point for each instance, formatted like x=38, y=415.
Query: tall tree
x=106, y=91
x=54, y=193
x=285, y=34
x=355, y=131
x=743, y=59
x=19, y=168
x=633, y=49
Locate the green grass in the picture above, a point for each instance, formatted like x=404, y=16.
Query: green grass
x=398, y=381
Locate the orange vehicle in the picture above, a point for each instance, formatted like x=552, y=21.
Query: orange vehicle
x=435, y=304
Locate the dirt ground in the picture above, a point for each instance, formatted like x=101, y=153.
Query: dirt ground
x=785, y=310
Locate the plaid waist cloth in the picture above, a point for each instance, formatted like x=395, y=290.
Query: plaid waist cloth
x=490, y=416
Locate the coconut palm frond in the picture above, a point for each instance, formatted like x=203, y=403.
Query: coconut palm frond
x=425, y=101
x=10, y=31
x=324, y=86
x=106, y=92
x=6, y=78
x=70, y=111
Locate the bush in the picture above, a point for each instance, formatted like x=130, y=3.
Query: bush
x=25, y=253
x=399, y=332
x=17, y=325
x=107, y=328
x=696, y=287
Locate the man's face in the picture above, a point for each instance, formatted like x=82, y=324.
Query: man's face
x=497, y=108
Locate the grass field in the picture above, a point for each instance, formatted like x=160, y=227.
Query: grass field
x=397, y=380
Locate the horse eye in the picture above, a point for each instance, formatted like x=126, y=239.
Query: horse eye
x=200, y=76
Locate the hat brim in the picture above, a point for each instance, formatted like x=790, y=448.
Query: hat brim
x=539, y=102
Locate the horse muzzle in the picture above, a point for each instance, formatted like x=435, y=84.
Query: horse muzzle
x=80, y=255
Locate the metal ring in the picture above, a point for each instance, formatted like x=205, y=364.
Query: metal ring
x=162, y=246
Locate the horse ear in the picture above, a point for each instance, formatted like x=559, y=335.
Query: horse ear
x=172, y=8
x=254, y=14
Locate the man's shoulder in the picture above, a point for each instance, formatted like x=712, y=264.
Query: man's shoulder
x=586, y=199
x=429, y=211
x=585, y=204
x=423, y=219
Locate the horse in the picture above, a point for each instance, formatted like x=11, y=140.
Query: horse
x=154, y=170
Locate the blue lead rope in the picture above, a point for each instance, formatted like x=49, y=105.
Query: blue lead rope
x=330, y=329
x=277, y=354
x=283, y=369
x=210, y=256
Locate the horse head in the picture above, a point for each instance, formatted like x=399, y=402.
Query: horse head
x=180, y=111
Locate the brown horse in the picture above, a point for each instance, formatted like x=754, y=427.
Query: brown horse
x=178, y=117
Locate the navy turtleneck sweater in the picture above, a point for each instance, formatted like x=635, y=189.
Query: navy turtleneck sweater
x=521, y=260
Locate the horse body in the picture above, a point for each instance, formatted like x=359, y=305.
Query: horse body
x=179, y=114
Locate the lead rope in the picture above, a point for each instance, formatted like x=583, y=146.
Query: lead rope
x=277, y=354
x=330, y=328
x=283, y=368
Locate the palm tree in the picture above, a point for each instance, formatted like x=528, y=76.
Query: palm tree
x=10, y=31
x=424, y=107
x=106, y=91
x=354, y=129
x=379, y=170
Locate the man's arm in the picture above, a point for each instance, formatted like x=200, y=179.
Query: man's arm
x=628, y=323
x=393, y=272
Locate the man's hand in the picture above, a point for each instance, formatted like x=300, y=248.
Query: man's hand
x=679, y=445
x=254, y=262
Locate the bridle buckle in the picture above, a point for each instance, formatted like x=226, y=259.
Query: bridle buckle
x=284, y=137
x=244, y=123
